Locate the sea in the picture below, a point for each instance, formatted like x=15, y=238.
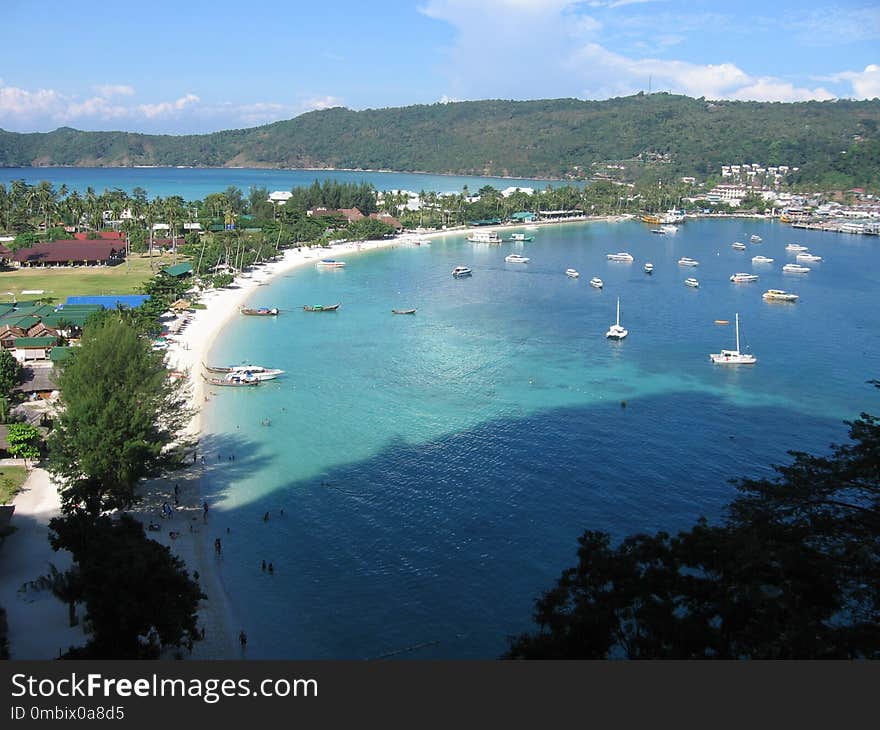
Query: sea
x=418, y=481
x=195, y=183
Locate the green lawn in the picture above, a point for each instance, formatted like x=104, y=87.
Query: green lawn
x=11, y=479
x=60, y=283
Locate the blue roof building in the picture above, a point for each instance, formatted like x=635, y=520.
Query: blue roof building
x=126, y=301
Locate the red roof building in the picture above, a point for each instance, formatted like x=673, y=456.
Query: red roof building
x=75, y=253
x=102, y=236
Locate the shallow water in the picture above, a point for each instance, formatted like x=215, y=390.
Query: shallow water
x=436, y=470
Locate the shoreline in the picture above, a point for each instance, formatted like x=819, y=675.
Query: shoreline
x=189, y=349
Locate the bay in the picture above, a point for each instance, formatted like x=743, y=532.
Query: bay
x=435, y=470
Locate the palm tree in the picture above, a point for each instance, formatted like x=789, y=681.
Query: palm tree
x=65, y=586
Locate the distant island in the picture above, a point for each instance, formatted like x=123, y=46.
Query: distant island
x=833, y=143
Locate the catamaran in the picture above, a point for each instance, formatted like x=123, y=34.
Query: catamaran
x=733, y=357
x=616, y=332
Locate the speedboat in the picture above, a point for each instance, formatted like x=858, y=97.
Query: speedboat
x=778, y=295
x=733, y=357
x=796, y=247
x=690, y=281
x=669, y=228
x=622, y=256
x=685, y=261
x=484, y=237
x=247, y=371
x=597, y=282
x=743, y=278
x=573, y=273
x=756, y=238
x=615, y=331
x=761, y=260
x=796, y=269
x=515, y=258
x=738, y=246
x=808, y=257
x=331, y=263
x=460, y=271
x=649, y=268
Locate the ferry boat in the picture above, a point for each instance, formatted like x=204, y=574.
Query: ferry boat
x=778, y=295
x=515, y=258
x=743, y=278
x=597, y=282
x=460, y=271
x=690, y=281
x=331, y=263
x=573, y=273
x=796, y=247
x=796, y=269
x=808, y=257
x=733, y=357
x=685, y=261
x=761, y=260
x=738, y=246
x=484, y=237
x=649, y=268
x=622, y=256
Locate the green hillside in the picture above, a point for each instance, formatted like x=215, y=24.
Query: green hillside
x=832, y=142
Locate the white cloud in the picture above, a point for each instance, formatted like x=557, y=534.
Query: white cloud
x=534, y=49
x=115, y=90
x=323, y=102
x=865, y=84
x=166, y=108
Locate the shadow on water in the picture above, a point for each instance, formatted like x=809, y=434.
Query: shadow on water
x=438, y=549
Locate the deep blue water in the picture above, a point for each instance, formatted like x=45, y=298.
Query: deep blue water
x=195, y=183
x=436, y=470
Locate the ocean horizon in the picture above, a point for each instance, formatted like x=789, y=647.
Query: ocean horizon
x=418, y=481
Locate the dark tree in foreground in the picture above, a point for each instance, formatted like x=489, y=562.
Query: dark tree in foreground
x=792, y=573
x=121, y=414
x=132, y=587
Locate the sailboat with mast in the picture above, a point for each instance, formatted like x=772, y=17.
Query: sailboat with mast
x=733, y=357
x=616, y=332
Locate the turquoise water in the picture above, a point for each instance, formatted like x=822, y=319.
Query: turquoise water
x=195, y=183
x=435, y=470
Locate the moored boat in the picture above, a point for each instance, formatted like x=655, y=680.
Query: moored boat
x=733, y=357
x=484, y=237
x=573, y=273
x=596, y=282
x=755, y=238
x=460, y=271
x=649, y=268
x=796, y=247
x=690, y=281
x=812, y=258
x=761, y=260
x=658, y=231
x=621, y=256
x=796, y=269
x=743, y=278
x=231, y=380
x=403, y=311
x=256, y=371
x=330, y=263
x=321, y=307
x=521, y=237
x=778, y=295
x=615, y=331
x=260, y=312
x=738, y=246
x=685, y=261
x=515, y=258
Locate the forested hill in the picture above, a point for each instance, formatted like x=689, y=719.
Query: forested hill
x=831, y=141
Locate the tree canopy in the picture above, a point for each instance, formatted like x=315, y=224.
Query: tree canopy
x=792, y=573
x=121, y=414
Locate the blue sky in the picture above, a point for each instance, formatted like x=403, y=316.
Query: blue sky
x=184, y=67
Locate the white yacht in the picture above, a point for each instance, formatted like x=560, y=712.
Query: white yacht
x=733, y=357
x=669, y=228
x=685, y=261
x=622, y=256
x=761, y=260
x=756, y=238
x=616, y=332
x=460, y=271
x=515, y=258
x=597, y=282
x=796, y=247
x=796, y=269
x=738, y=246
x=690, y=281
x=808, y=257
x=649, y=268
x=743, y=278
x=778, y=295
x=573, y=273
x=484, y=237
